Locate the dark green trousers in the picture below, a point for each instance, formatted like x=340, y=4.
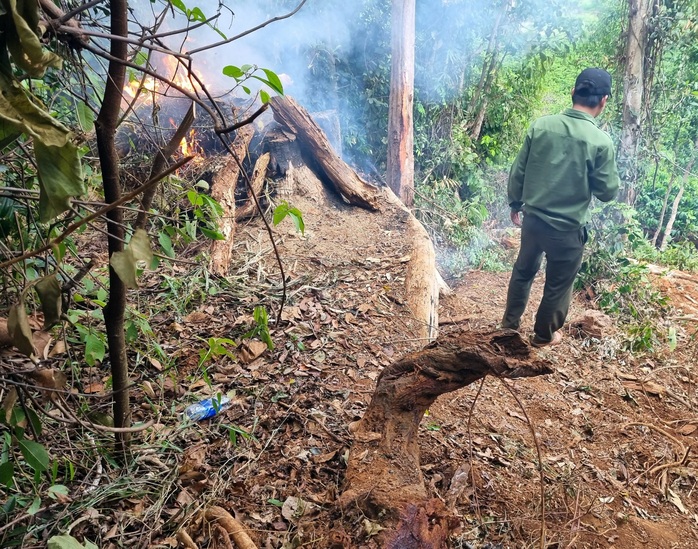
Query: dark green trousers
x=563, y=252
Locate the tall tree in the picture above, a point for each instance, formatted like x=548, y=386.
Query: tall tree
x=400, y=120
x=634, y=83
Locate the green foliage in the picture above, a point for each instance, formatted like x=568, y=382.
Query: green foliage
x=217, y=347
x=614, y=269
x=261, y=330
x=200, y=217
x=57, y=160
x=284, y=210
x=241, y=74
x=69, y=542
x=454, y=216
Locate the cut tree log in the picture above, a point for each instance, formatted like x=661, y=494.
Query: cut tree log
x=223, y=191
x=383, y=474
x=318, y=152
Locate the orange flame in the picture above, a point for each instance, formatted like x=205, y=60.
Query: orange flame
x=190, y=146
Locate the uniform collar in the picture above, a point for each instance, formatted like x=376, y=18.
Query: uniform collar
x=574, y=113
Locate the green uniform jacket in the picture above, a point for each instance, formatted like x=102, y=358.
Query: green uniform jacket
x=565, y=159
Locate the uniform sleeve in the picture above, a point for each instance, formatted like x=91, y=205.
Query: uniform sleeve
x=517, y=174
x=604, y=181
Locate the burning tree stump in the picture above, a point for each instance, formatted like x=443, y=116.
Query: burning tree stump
x=318, y=152
x=383, y=472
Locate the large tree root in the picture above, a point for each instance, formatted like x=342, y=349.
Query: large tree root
x=383, y=474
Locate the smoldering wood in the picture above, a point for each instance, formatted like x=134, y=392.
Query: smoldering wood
x=223, y=191
x=249, y=208
x=383, y=473
x=319, y=154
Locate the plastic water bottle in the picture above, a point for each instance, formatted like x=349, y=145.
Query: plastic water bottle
x=206, y=408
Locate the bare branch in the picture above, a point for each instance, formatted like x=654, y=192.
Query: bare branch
x=248, y=31
x=161, y=78
x=75, y=226
x=135, y=41
x=246, y=121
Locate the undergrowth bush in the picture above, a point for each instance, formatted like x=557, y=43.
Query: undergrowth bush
x=615, y=271
x=455, y=223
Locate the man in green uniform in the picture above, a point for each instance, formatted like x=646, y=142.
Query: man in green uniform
x=564, y=160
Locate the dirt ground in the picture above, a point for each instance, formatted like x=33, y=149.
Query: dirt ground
x=615, y=432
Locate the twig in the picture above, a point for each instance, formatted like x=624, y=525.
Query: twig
x=470, y=448
x=247, y=120
x=232, y=526
x=75, y=226
x=105, y=428
x=684, y=450
x=540, y=461
x=248, y=31
x=184, y=538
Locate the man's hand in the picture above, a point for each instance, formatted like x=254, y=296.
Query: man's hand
x=515, y=218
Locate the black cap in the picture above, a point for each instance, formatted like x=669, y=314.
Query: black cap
x=593, y=81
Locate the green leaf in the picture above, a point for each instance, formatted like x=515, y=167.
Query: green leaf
x=86, y=118
x=280, y=212
x=33, y=418
x=19, y=330
x=179, y=5
x=7, y=473
x=34, y=454
x=69, y=542
x=233, y=72
x=212, y=234
x=58, y=490
x=297, y=218
x=49, y=290
x=60, y=178
x=196, y=15
x=140, y=59
x=264, y=96
x=34, y=507
x=283, y=210
x=126, y=263
x=23, y=42
x=94, y=349
x=274, y=81
x=57, y=158
x=166, y=244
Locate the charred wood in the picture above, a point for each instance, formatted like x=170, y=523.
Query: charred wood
x=318, y=153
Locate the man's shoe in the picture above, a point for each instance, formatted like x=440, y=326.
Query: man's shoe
x=537, y=342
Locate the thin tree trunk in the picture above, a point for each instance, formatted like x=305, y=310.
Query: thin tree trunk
x=670, y=223
x=487, y=65
x=493, y=69
x=633, y=92
x=660, y=221
x=675, y=206
x=105, y=127
x=160, y=162
x=400, y=176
